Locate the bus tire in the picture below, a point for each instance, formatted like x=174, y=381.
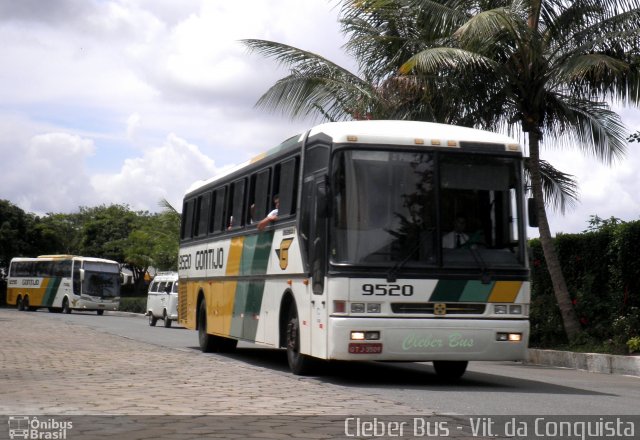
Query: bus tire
x=212, y=343
x=450, y=370
x=299, y=364
x=152, y=320
x=65, y=306
x=207, y=341
x=19, y=304
x=167, y=321
x=100, y=312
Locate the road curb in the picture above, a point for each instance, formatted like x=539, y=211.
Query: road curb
x=592, y=362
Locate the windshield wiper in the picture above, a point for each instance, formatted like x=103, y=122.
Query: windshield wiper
x=485, y=277
x=392, y=275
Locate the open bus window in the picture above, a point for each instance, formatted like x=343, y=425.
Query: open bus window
x=482, y=191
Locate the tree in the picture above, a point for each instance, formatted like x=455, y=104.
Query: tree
x=60, y=233
x=105, y=230
x=551, y=67
x=380, y=36
x=16, y=228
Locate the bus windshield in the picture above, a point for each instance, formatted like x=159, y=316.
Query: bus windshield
x=101, y=284
x=101, y=280
x=425, y=209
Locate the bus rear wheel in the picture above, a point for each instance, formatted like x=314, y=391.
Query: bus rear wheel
x=167, y=321
x=300, y=364
x=20, y=304
x=152, y=320
x=450, y=370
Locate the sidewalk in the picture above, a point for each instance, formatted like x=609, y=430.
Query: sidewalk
x=592, y=362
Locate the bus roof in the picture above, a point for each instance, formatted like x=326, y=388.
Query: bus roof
x=64, y=257
x=390, y=132
x=407, y=132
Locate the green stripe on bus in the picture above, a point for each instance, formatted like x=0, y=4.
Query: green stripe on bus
x=448, y=290
x=476, y=291
x=52, y=289
x=255, y=254
x=246, y=309
x=248, y=298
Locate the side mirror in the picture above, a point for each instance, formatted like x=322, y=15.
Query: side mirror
x=532, y=212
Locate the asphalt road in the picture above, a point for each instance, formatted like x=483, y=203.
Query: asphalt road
x=488, y=388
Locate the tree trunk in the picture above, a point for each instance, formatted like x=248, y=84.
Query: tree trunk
x=569, y=319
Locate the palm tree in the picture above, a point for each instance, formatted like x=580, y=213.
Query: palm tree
x=317, y=87
x=553, y=65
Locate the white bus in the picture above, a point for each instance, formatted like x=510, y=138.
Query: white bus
x=64, y=283
x=359, y=264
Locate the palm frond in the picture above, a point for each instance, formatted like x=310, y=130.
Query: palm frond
x=560, y=189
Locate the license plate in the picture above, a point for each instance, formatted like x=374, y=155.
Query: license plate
x=356, y=348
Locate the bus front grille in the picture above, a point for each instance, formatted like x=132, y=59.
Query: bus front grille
x=430, y=308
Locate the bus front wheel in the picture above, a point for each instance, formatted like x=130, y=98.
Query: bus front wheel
x=450, y=370
x=152, y=320
x=20, y=304
x=65, y=306
x=300, y=364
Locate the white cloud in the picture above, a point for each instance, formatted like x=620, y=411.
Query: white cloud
x=46, y=173
x=163, y=172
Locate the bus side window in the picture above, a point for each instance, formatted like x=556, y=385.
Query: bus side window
x=251, y=201
x=217, y=210
x=76, y=278
x=259, y=196
x=187, y=219
x=202, y=214
x=286, y=184
x=236, y=204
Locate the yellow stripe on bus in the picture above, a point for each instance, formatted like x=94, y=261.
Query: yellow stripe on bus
x=235, y=253
x=505, y=291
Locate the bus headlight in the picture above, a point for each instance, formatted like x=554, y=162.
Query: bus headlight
x=373, y=307
x=510, y=337
x=358, y=335
x=500, y=309
x=515, y=309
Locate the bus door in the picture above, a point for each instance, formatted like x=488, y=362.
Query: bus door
x=318, y=264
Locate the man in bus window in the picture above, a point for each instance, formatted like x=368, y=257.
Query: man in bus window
x=272, y=216
x=456, y=238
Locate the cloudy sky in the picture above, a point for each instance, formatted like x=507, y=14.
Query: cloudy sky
x=131, y=101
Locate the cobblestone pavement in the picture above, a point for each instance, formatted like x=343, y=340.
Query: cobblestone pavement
x=56, y=369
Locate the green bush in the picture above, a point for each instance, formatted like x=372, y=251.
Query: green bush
x=133, y=304
x=602, y=271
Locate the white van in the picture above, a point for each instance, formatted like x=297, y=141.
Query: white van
x=162, y=300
